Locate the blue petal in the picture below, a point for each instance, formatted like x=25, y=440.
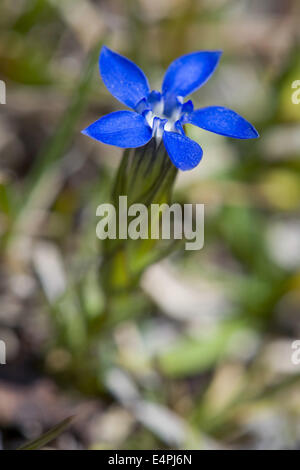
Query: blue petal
x=187, y=107
x=172, y=104
x=189, y=72
x=223, y=121
x=142, y=106
x=184, y=153
x=154, y=97
x=178, y=127
x=125, y=80
x=124, y=129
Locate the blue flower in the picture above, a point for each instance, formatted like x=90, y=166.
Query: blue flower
x=162, y=115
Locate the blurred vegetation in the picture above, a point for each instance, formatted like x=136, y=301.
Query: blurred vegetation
x=198, y=354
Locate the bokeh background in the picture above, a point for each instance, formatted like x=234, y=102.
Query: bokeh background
x=201, y=357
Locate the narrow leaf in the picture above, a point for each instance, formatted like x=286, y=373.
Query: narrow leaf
x=49, y=436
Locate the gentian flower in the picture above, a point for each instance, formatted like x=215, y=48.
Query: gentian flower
x=162, y=114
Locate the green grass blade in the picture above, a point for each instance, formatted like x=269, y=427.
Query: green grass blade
x=49, y=436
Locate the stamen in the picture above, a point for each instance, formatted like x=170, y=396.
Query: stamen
x=158, y=127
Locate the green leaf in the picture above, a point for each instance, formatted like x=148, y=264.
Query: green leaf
x=49, y=436
x=195, y=355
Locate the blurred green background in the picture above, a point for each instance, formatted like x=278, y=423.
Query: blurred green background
x=200, y=356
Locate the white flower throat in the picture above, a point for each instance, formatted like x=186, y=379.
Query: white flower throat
x=159, y=121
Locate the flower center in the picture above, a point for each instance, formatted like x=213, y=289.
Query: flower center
x=163, y=113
